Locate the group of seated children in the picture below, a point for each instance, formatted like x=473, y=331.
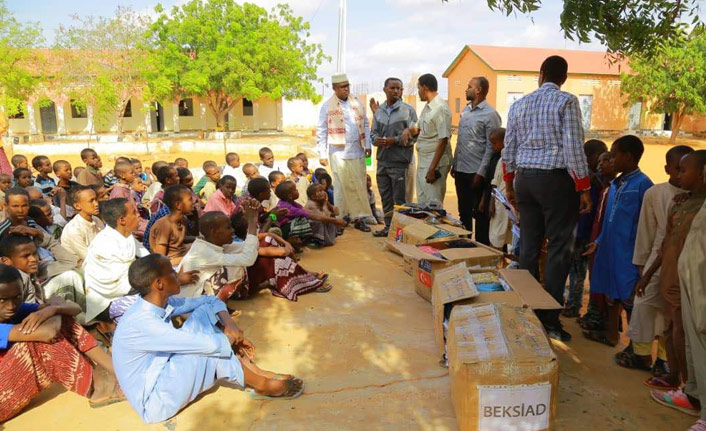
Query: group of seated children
x=115, y=256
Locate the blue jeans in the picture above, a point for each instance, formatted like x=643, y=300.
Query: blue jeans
x=577, y=276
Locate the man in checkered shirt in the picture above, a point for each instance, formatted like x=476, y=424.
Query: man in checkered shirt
x=547, y=179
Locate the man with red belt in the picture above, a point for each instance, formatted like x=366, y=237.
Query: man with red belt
x=547, y=178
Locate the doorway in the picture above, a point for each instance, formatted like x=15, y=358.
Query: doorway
x=157, y=117
x=47, y=116
x=667, y=122
x=634, y=116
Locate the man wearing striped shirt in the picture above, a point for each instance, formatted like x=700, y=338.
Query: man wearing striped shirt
x=547, y=178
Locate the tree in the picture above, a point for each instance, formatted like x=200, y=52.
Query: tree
x=623, y=26
x=222, y=52
x=102, y=62
x=17, y=58
x=672, y=82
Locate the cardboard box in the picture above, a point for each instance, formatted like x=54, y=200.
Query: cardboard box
x=504, y=374
x=410, y=230
x=422, y=266
x=454, y=286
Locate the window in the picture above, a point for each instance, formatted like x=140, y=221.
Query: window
x=78, y=109
x=512, y=98
x=186, y=107
x=127, y=113
x=586, y=104
x=458, y=105
x=247, y=108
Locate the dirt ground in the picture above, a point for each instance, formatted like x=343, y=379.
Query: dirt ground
x=366, y=352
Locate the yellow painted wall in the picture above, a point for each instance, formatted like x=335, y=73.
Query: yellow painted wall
x=468, y=67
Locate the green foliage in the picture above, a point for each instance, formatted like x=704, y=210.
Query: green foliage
x=17, y=81
x=625, y=26
x=222, y=51
x=102, y=62
x=673, y=81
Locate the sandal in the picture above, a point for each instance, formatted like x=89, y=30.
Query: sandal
x=700, y=425
x=325, y=287
x=289, y=394
x=677, y=400
x=322, y=276
x=599, y=337
x=660, y=368
x=633, y=361
x=661, y=384
x=116, y=396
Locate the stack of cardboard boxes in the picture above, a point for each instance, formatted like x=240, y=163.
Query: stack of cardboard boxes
x=504, y=374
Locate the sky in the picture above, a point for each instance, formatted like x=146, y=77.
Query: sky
x=401, y=38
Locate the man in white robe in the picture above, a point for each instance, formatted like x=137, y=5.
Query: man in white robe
x=343, y=136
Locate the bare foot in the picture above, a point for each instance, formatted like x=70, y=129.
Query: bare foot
x=246, y=362
x=105, y=389
x=280, y=388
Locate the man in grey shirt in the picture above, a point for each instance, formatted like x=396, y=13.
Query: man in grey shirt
x=473, y=157
x=393, y=157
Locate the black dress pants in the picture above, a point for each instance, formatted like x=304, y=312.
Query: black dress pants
x=468, y=201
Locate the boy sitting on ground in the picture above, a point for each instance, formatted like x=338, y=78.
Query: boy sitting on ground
x=250, y=171
x=23, y=177
x=92, y=174
x=267, y=162
x=55, y=259
x=5, y=184
x=212, y=173
x=296, y=168
x=295, y=224
x=43, y=344
x=41, y=212
x=19, y=161
x=275, y=178
x=232, y=168
x=222, y=263
x=324, y=224
x=168, y=235
x=64, y=176
x=224, y=199
x=187, y=361
x=80, y=231
x=107, y=260
x=259, y=188
x=305, y=163
x=167, y=176
x=21, y=252
x=43, y=181
x=155, y=185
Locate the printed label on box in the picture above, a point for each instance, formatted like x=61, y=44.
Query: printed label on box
x=424, y=278
x=398, y=234
x=514, y=408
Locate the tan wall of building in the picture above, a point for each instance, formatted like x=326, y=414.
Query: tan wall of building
x=468, y=67
x=607, y=108
x=267, y=115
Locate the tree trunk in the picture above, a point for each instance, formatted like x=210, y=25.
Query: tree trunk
x=119, y=119
x=676, y=125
